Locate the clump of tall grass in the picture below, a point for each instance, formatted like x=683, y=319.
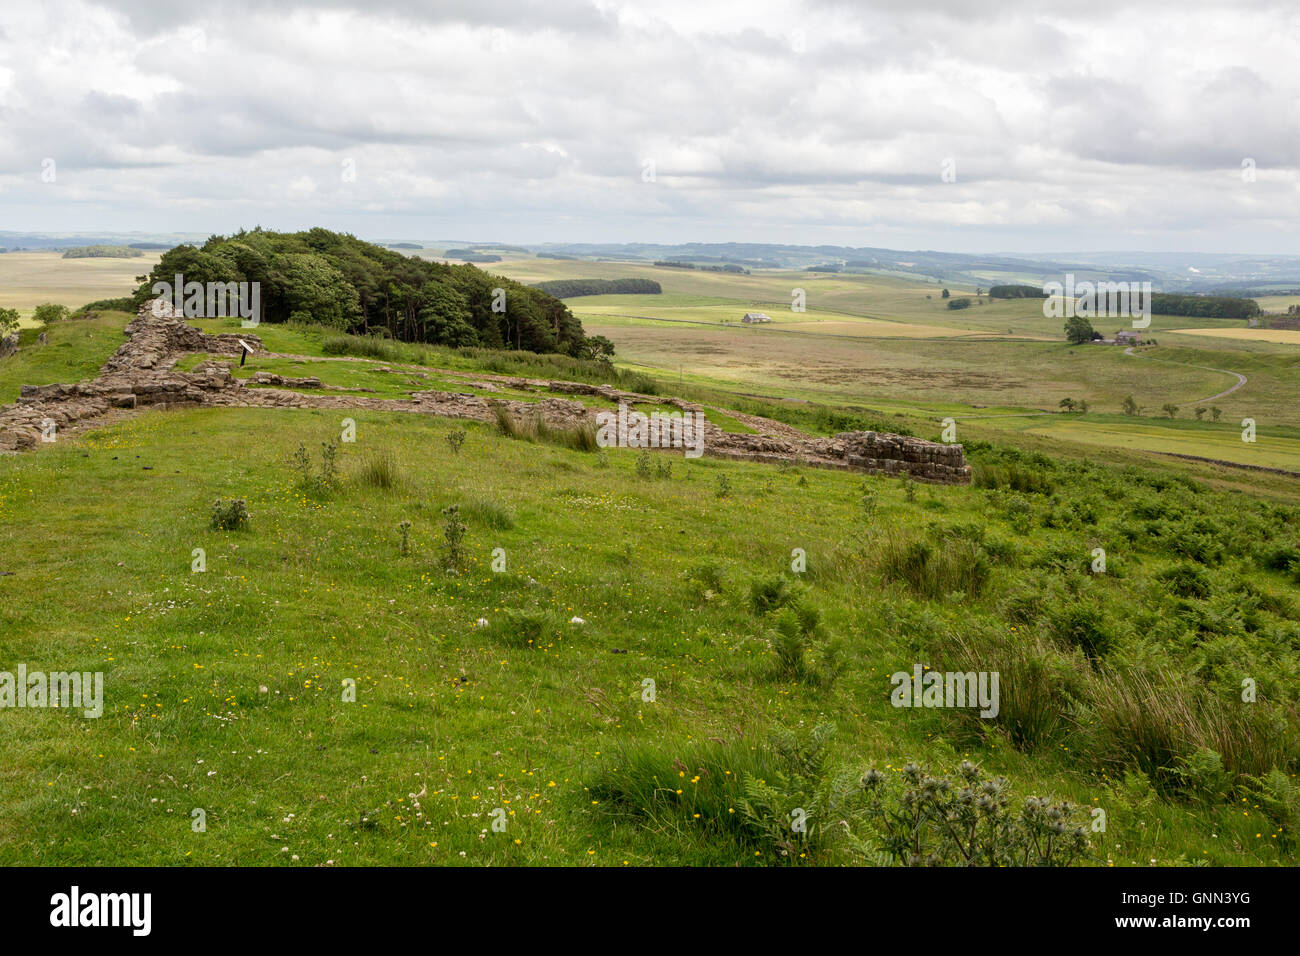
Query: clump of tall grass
x=1037, y=683
x=380, y=470
x=489, y=513
x=689, y=790
x=364, y=346
x=960, y=566
x=579, y=438
x=534, y=429
x=1157, y=721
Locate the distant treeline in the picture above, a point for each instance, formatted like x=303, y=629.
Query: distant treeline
x=123, y=304
x=670, y=264
x=405, y=245
x=725, y=267
x=572, y=288
x=1250, y=292
x=339, y=281
x=1016, y=292
x=103, y=252
x=470, y=255
x=1210, y=306
x=825, y=267
x=152, y=246
x=554, y=255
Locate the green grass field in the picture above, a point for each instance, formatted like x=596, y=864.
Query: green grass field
x=223, y=688
x=655, y=730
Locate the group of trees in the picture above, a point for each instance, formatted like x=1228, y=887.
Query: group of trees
x=1130, y=407
x=470, y=255
x=103, y=252
x=339, y=281
x=1211, y=306
x=572, y=288
x=1016, y=292
x=46, y=314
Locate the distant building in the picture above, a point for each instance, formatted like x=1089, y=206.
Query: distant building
x=751, y=317
x=1128, y=338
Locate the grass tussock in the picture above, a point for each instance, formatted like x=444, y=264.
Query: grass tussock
x=1157, y=722
x=686, y=791
x=930, y=570
x=362, y=346
x=380, y=471
x=489, y=514
x=536, y=429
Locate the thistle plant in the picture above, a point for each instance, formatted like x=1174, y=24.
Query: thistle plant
x=453, y=531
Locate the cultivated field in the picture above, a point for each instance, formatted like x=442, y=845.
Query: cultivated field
x=28, y=279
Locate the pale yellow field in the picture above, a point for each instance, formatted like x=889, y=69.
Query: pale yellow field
x=29, y=279
x=811, y=322
x=1283, y=336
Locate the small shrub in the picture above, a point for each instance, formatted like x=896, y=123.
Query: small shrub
x=1201, y=775
x=868, y=500
x=790, y=642
x=455, y=438
x=705, y=580
x=1083, y=626
x=724, y=486
x=1279, y=798
x=229, y=515
x=643, y=469
x=769, y=594
x=316, y=483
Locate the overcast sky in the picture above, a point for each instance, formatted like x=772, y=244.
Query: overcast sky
x=1065, y=125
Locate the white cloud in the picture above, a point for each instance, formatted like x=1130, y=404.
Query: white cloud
x=1102, y=125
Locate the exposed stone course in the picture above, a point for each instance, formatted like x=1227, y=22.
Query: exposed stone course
x=142, y=372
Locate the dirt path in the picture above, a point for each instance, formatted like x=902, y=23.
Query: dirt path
x=1241, y=379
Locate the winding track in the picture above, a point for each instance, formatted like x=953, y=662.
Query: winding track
x=1241, y=379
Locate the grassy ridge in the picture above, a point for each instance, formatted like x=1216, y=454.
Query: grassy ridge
x=662, y=571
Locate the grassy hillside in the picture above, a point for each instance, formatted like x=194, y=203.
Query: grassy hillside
x=224, y=689
x=75, y=350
